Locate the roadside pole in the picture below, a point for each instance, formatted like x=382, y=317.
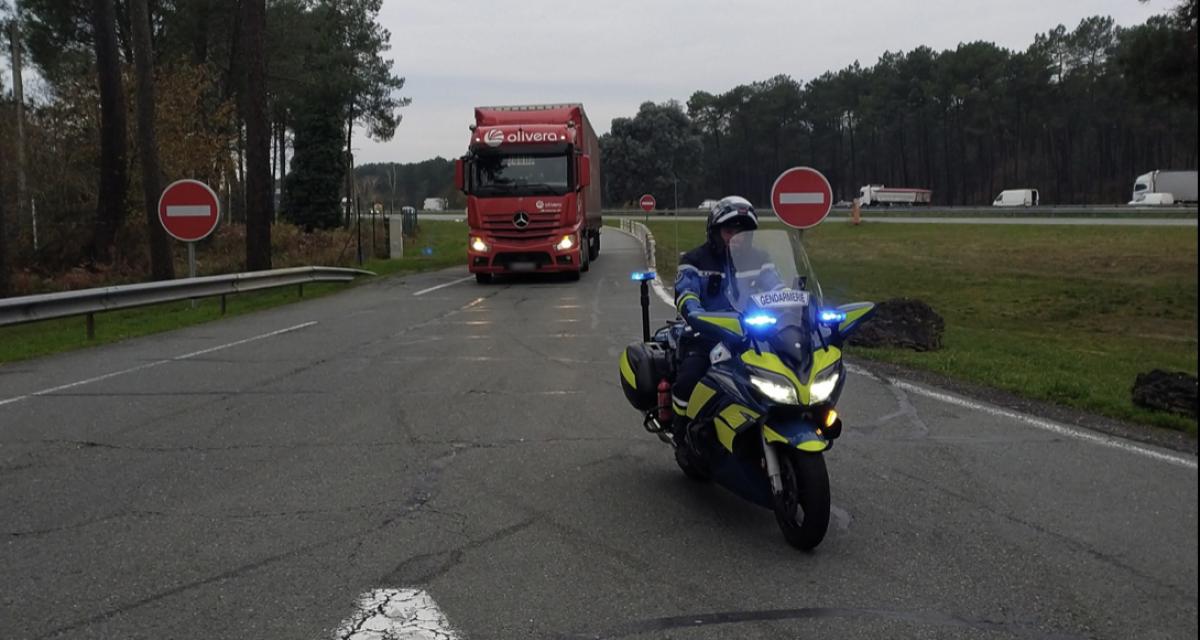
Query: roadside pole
x=33, y=213
x=358, y=225
x=192, y=265
x=676, y=249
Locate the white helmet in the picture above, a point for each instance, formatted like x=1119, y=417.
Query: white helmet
x=732, y=210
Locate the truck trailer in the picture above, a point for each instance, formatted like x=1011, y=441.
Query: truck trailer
x=531, y=175
x=878, y=195
x=1180, y=184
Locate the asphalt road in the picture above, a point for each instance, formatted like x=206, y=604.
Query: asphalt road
x=251, y=478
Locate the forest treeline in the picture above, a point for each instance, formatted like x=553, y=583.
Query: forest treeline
x=1078, y=115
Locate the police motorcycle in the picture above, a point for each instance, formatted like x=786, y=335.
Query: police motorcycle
x=762, y=418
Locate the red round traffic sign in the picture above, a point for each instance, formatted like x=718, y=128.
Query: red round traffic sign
x=189, y=210
x=801, y=197
x=647, y=203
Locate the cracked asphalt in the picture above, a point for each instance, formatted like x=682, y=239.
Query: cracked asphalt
x=474, y=443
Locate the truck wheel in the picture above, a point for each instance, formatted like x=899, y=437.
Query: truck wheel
x=483, y=278
x=585, y=257
x=594, y=247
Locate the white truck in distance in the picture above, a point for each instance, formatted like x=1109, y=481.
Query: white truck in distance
x=1180, y=184
x=434, y=204
x=1017, y=198
x=876, y=194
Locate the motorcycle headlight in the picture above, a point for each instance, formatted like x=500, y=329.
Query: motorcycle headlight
x=824, y=385
x=777, y=388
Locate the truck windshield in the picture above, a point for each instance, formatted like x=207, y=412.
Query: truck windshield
x=521, y=175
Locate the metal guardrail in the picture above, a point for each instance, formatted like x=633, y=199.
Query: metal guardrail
x=88, y=302
x=644, y=237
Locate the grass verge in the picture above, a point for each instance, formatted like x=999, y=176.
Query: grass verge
x=1068, y=315
x=439, y=245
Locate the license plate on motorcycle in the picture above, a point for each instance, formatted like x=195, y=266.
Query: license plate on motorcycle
x=781, y=298
x=522, y=266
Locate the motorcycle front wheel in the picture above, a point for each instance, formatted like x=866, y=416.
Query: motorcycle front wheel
x=802, y=508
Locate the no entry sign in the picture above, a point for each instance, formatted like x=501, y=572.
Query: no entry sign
x=647, y=203
x=801, y=197
x=189, y=210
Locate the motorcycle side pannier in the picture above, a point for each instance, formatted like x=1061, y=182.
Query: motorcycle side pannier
x=643, y=365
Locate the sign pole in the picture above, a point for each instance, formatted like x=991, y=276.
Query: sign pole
x=192, y=265
x=675, y=250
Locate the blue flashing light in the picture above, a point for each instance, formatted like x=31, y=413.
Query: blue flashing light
x=759, y=320
x=829, y=316
x=641, y=276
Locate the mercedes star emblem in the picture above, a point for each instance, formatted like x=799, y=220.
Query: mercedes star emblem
x=521, y=220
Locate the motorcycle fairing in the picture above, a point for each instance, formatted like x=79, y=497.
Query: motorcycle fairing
x=822, y=359
x=855, y=314
x=795, y=432
x=700, y=397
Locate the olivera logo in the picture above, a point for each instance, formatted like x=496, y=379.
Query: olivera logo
x=496, y=137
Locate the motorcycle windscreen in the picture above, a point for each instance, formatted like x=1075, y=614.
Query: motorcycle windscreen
x=769, y=271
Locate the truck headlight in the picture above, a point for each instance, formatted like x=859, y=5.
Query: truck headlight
x=824, y=385
x=478, y=245
x=776, y=388
x=565, y=244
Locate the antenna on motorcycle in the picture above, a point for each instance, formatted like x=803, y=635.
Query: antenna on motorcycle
x=644, y=277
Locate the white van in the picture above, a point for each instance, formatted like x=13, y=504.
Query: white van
x=1016, y=198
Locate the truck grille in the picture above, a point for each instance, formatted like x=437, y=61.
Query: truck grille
x=541, y=226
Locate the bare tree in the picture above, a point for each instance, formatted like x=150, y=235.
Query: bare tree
x=19, y=104
x=3, y=237
x=252, y=100
x=114, y=174
x=162, y=266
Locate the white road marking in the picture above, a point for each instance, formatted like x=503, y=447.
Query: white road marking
x=442, y=286
x=188, y=211
x=662, y=293
x=1040, y=423
x=156, y=363
x=383, y=614
x=817, y=197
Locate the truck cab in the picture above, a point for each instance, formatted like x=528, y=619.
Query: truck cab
x=532, y=194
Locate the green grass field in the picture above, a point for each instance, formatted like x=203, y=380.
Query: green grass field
x=1064, y=314
x=446, y=240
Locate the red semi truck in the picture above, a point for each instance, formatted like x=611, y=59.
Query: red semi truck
x=532, y=179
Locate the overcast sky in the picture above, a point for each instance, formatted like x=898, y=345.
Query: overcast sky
x=612, y=55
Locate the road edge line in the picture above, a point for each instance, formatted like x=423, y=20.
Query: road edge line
x=147, y=365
